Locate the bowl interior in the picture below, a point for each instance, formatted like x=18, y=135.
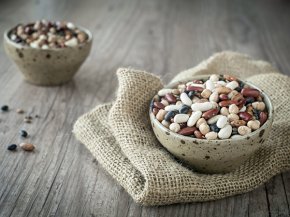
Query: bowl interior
x=266, y=100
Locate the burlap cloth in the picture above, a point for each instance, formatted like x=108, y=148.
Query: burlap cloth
x=119, y=135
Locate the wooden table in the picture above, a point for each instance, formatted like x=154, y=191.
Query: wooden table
x=166, y=36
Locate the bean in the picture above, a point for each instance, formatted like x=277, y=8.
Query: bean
x=226, y=103
x=210, y=113
x=23, y=133
x=185, y=99
x=232, y=85
x=233, y=109
x=200, y=121
x=209, y=85
x=175, y=91
x=165, y=123
x=173, y=107
x=243, y=109
x=193, y=88
x=4, y=108
x=164, y=102
x=214, y=97
x=214, y=128
x=263, y=117
x=184, y=109
x=197, y=81
x=211, y=135
x=230, y=77
x=160, y=115
x=169, y=115
x=254, y=125
x=213, y=119
x=204, y=128
x=193, y=118
x=225, y=132
x=245, y=116
x=205, y=106
x=163, y=92
x=174, y=127
x=259, y=106
x=249, y=100
x=224, y=90
x=236, y=137
x=214, y=77
x=238, y=123
x=181, y=118
x=20, y=111
x=250, y=92
x=158, y=105
x=224, y=111
x=243, y=130
x=187, y=131
x=12, y=147
x=27, y=146
x=223, y=97
x=233, y=117
x=198, y=134
x=206, y=93
x=170, y=98
x=191, y=94
x=222, y=121
x=155, y=111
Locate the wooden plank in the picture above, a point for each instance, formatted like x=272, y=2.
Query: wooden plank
x=166, y=36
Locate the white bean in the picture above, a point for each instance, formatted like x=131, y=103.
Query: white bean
x=225, y=132
x=204, y=106
x=165, y=123
x=209, y=85
x=211, y=135
x=243, y=130
x=254, y=125
x=233, y=85
x=236, y=137
x=194, y=118
x=163, y=92
x=181, y=118
x=222, y=121
x=173, y=107
x=233, y=109
x=214, y=97
x=174, y=127
x=214, y=119
x=243, y=109
x=214, y=77
x=185, y=99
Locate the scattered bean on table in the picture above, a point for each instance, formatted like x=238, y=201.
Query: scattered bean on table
x=220, y=107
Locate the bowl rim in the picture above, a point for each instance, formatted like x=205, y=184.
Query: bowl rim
x=8, y=40
x=268, y=103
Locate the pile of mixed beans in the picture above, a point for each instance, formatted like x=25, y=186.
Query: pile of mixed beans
x=45, y=35
x=220, y=107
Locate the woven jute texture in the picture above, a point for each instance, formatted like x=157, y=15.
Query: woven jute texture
x=119, y=135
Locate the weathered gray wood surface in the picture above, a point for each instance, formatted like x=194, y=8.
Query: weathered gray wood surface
x=61, y=178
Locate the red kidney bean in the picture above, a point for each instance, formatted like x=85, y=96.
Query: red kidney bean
x=192, y=88
x=210, y=113
x=250, y=92
x=263, y=117
x=155, y=111
x=170, y=98
x=245, y=116
x=159, y=105
x=223, y=97
x=187, y=131
x=198, y=134
x=226, y=103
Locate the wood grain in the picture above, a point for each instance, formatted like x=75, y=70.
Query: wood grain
x=61, y=178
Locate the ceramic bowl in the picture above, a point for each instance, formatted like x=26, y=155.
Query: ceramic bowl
x=50, y=66
x=213, y=156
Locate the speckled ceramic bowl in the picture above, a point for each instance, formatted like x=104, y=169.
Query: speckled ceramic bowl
x=51, y=66
x=213, y=156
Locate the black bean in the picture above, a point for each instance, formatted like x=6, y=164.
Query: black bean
x=12, y=147
x=238, y=89
x=184, y=109
x=151, y=105
x=169, y=115
x=23, y=133
x=256, y=114
x=214, y=128
x=235, y=131
x=5, y=108
x=249, y=100
x=191, y=94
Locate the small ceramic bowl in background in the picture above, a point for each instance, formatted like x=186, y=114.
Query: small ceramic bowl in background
x=48, y=67
x=213, y=156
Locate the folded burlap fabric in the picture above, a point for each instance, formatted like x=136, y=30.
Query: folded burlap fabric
x=119, y=135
